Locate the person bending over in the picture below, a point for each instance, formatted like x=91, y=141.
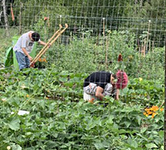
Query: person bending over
x=24, y=46
x=101, y=83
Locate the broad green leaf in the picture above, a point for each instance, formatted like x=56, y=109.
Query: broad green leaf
x=16, y=147
x=51, y=144
x=14, y=124
x=99, y=145
x=132, y=142
x=161, y=134
x=151, y=145
x=143, y=129
x=110, y=120
x=127, y=123
x=139, y=119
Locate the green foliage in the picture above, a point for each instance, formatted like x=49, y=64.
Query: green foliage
x=144, y=92
x=87, y=54
x=60, y=119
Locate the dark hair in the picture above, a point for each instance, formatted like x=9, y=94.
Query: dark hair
x=35, y=36
x=114, y=76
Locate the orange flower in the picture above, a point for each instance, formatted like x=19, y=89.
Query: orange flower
x=44, y=60
x=149, y=112
x=40, y=60
x=91, y=100
x=155, y=108
x=152, y=111
x=153, y=115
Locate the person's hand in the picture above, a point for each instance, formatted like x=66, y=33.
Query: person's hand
x=30, y=58
x=49, y=45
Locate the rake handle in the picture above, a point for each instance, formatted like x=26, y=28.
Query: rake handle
x=35, y=59
x=46, y=47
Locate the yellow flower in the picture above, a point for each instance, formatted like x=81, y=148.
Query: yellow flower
x=146, y=109
x=140, y=79
x=161, y=109
x=145, y=114
x=27, y=95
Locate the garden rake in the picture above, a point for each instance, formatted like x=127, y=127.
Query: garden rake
x=48, y=44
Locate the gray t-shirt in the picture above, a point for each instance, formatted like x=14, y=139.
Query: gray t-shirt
x=24, y=42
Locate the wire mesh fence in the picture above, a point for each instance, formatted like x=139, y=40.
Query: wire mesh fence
x=98, y=33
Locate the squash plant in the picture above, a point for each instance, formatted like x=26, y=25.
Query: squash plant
x=59, y=118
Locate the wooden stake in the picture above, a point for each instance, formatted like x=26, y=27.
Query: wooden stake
x=20, y=19
x=11, y=8
x=148, y=35
x=106, y=54
x=152, y=46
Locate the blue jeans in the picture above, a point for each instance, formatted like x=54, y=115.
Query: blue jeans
x=22, y=60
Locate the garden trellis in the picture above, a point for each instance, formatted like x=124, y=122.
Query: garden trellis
x=98, y=32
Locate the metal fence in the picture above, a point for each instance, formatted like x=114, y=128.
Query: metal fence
x=98, y=32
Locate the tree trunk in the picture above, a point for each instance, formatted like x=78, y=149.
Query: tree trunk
x=1, y=15
x=5, y=18
x=141, y=3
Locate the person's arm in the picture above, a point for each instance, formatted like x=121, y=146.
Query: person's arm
x=99, y=91
x=117, y=94
x=26, y=54
x=42, y=43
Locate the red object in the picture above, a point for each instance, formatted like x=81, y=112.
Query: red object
x=120, y=57
x=46, y=18
x=122, y=79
